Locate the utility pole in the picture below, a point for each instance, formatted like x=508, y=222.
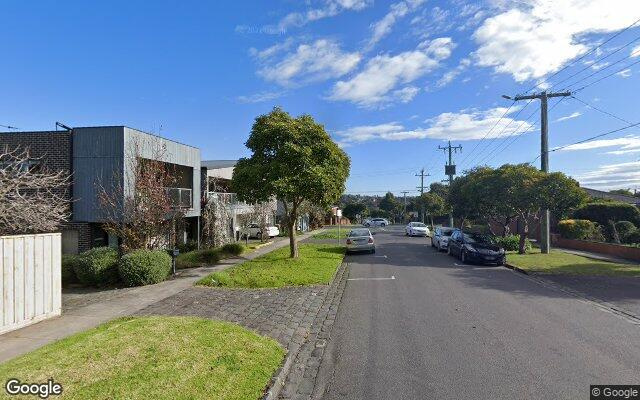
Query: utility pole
x=404, y=194
x=545, y=237
x=450, y=168
x=421, y=187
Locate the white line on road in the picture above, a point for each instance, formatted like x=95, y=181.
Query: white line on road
x=372, y=279
x=381, y=256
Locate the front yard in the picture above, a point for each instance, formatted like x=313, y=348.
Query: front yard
x=154, y=358
x=559, y=262
x=332, y=233
x=316, y=264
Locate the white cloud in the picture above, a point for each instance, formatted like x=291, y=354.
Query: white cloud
x=612, y=176
x=259, y=97
x=384, y=73
x=271, y=51
x=463, y=125
x=540, y=36
x=625, y=73
x=450, y=75
x=398, y=10
x=322, y=59
x=570, y=116
x=635, y=52
x=330, y=8
x=406, y=94
x=627, y=144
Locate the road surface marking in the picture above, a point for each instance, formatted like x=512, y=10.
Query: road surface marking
x=381, y=256
x=372, y=279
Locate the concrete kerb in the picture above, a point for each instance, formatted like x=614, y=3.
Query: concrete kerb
x=279, y=379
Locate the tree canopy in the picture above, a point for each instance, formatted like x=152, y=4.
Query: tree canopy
x=294, y=160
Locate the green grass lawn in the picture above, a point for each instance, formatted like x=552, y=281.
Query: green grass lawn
x=332, y=234
x=316, y=264
x=154, y=358
x=559, y=262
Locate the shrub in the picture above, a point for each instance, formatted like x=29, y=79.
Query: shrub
x=604, y=212
x=512, y=243
x=69, y=262
x=581, y=229
x=144, y=267
x=633, y=237
x=625, y=228
x=97, y=267
x=233, y=248
x=191, y=245
x=198, y=258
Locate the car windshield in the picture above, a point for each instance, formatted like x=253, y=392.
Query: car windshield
x=478, y=238
x=418, y=224
x=446, y=232
x=359, y=232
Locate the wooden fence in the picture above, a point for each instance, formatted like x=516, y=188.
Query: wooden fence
x=30, y=280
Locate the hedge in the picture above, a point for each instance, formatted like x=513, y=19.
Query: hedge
x=604, y=212
x=198, y=258
x=233, y=248
x=580, y=229
x=97, y=267
x=69, y=262
x=144, y=267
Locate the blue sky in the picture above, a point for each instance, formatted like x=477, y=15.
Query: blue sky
x=389, y=80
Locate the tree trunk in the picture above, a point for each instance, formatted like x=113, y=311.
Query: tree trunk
x=293, y=244
x=524, y=232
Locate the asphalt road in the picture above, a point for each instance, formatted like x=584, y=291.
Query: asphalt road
x=442, y=330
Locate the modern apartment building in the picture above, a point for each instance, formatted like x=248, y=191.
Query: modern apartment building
x=102, y=157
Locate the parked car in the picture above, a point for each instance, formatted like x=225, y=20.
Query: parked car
x=376, y=222
x=360, y=239
x=475, y=247
x=254, y=231
x=440, y=238
x=417, y=229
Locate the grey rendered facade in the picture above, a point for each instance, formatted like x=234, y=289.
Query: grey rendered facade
x=101, y=156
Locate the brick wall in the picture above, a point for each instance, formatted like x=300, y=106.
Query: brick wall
x=612, y=249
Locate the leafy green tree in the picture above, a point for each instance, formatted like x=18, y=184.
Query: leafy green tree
x=625, y=192
x=352, y=210
x=433, y=204
x=294, y=160
x=390, y=204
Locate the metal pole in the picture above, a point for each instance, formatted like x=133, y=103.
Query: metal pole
x=545, y=236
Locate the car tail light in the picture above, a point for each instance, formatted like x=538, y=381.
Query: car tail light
x=370, y=240
x=349, y=241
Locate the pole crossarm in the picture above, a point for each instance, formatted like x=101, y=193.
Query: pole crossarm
x=540, y=95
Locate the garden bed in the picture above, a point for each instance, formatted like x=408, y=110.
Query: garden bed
x=559, y=262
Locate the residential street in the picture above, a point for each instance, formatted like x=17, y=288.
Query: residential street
x=441, y=330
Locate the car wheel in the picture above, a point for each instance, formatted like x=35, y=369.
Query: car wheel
x=383, y=225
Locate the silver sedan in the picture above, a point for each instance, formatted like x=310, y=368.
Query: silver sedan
x=360, y=239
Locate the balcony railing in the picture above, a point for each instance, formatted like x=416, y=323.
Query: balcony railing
x=180, y=197
x=226, y=198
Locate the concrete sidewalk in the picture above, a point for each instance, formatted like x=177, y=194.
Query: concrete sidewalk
x=597, y=256
x=82, y=311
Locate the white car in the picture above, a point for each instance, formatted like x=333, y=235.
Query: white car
x=440, y=239
x=256, y=232
x=417, y=229
x=360, y=239
x=376, y=222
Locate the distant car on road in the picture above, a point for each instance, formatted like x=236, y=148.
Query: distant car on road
x=440, y=238
x=475, y=247
x=376, y=222
x=417, y=229
x=360, y=239
x=254, y=231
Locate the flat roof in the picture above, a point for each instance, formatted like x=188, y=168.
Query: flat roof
x=214, y=164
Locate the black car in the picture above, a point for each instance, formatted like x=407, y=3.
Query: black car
x=475, y=247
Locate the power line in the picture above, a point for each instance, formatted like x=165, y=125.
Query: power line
x=631, y=55
x=606, y=76
x=595, y=137
x=488, y=144
x=601, y=110
x=584, y=55
x=9, y=127
x=486, y=134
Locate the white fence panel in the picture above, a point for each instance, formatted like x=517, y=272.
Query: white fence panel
x=30, y=280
